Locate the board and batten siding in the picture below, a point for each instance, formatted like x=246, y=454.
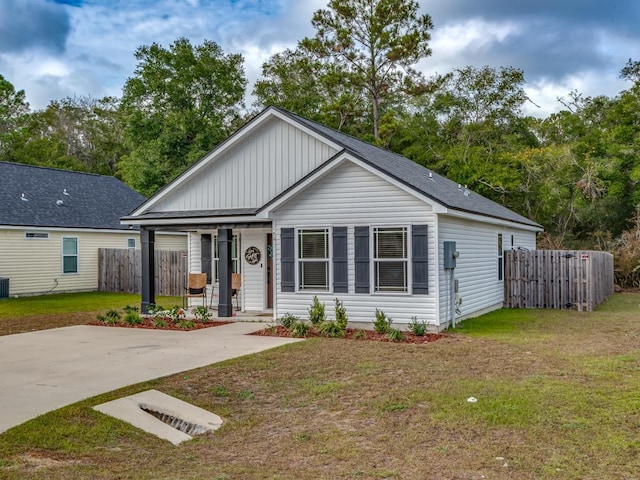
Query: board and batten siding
x=352, y=196
x=251, y=173
x=34, y=265
x=477, y=265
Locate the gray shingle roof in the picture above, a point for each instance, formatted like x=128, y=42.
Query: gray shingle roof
x=92, y=201
x=430, y=184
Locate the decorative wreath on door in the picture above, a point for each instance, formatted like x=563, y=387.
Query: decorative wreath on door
x=252, y=255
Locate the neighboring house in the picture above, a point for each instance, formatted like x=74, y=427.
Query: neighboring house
x=52, y=223
x=302, y=210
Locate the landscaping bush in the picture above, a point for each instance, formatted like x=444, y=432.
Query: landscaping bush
x=288, y=320
x=112, y=317
x=317, y=314
x=201, y=313
x=332, y=329
x=394, y=335
x=132, y=318
x=341, y=314
x=382, y=324
x=418, y=328
x=299, y=329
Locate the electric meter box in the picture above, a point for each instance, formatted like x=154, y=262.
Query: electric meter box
x=450, y=254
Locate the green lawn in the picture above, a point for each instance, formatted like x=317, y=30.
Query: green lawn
x=26, y=314
x=558, y=398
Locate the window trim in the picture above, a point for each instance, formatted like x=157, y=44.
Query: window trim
x=406, y=259
x=65, y=255
x=36, y=236
x=328, y=260
x=129, y=242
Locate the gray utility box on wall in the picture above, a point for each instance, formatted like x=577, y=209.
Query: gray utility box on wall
x=4, y=287
x=450, y=254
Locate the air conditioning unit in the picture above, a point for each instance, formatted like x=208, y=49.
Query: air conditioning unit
x=4, y=287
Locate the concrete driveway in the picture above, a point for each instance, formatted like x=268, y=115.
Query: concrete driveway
x=45, y=370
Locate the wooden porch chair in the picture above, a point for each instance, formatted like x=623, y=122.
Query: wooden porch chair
x=236, y=283
x=196, y=288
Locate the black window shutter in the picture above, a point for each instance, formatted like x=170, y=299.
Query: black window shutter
x=362, y=259
x=340, y=271
x=419, y=259
x=287, y=259
x=205, y=255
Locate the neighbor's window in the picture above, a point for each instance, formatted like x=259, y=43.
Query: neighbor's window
x=36, y=235
x=131, y=243
x=69, y=255
x=500, y=258
x=313, y=259
x=390, y=259
x=234, y=256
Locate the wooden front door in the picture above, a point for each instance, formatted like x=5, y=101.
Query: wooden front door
x=269, y=270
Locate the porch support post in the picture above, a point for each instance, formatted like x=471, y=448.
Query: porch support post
x=147, y=241
x=225, y=307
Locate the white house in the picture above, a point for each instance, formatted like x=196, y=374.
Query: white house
x=302, y=210
x=52, y=223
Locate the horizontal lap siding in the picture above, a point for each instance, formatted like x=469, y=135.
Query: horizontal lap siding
x=32, y=266
x=269, y=161
x=477, y=266
x=351, y=196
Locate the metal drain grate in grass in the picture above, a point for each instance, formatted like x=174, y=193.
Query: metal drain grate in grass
x=162, y=415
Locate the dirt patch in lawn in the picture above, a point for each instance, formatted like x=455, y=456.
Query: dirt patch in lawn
x=9, y=326
x=353, y=334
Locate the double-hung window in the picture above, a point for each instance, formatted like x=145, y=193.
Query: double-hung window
x=235, y=264
x=500, y=258
x=390, y=259
x=69, y=255
x=313, y=259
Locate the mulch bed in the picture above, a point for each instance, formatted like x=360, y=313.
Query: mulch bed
x=148, y=324
x=352, y=334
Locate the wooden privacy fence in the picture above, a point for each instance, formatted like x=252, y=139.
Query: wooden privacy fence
x=120, y=270
x=564, y=279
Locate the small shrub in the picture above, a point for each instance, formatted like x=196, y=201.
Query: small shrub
x=331, y=329
x=185, y=324
x=110, y=318
x=395, y=335
x=288, y=320
x=202, y=313
x=176, y=314
x=132, y=318
x=418, y=328
x=299, y=329
x=359, y=334
x=382, y=324
x=129, y=308
x=341, y=314
x=159, y=322
x=154, y=309
x=317, y=314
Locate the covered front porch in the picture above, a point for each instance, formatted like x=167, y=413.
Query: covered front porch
x=228, y=252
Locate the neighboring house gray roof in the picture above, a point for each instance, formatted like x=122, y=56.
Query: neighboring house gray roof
x=35, y=197
x=436, y=187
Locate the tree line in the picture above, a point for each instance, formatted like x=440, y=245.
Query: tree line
x=576, y=172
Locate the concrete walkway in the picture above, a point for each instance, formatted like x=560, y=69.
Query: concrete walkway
x=45, y=370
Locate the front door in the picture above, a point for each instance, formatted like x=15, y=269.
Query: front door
x=269, y=270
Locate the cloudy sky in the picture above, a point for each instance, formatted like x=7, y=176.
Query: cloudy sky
x=58, y=48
